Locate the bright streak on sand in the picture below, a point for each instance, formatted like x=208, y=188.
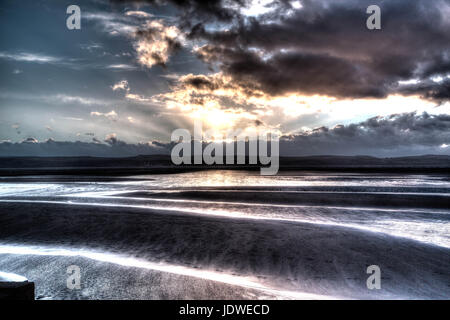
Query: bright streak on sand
x=121, y=260
x=6, y=276
x=117, y=195
x=112, y=195
x=384, y=227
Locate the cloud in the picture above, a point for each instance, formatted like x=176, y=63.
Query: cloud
x=124, y=86
x=111, y=139
x=30, y=140
x=68, y=62
x=137, y=98
x=72, y=118
x=397, y=134
x=64, y=98
x=121, y=85
x=222, y=103
x=429, y=89
x=113, y=23
x=112, y=115
x=155, y=42
x=52, y=98
x=277, y=63
x=214, y=99
x=91, y=46
x=120, y=66
x=42, y=59
x=30, y=57
x=140, y=14
x=292, y=72
x=325, y=48
x=199, y=9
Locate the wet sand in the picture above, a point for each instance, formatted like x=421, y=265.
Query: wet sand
x=156, y=238
x=315, y=259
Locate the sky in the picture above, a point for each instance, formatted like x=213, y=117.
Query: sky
x=311, y=71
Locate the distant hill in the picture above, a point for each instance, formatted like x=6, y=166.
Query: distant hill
x=439, y=161
x=84, y=162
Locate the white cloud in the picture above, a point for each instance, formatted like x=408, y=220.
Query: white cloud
x=91, y=46
x=257, y=7
x=76, y=99
x=408, y=82
x=120, y=66
x=296, y=4
x=112, y=115
x=156, y=42
x=139, y=14
x=121, y=85
x=30, y=57
x=136, y=97
x=112, y=23
x=72, y=118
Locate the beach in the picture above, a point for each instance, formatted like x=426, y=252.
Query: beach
x=229, y=235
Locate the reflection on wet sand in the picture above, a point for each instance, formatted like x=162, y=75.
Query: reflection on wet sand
x=273, y=237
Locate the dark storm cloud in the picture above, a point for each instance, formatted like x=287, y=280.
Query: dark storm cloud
x=296, y=72
x=439, y=91
x=200, y=82
x=325, y=48
x=406, y=133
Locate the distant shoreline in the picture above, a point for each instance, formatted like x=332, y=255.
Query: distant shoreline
x=161, y=164
x=173, y=170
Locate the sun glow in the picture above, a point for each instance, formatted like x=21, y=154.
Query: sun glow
x=222, y=104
